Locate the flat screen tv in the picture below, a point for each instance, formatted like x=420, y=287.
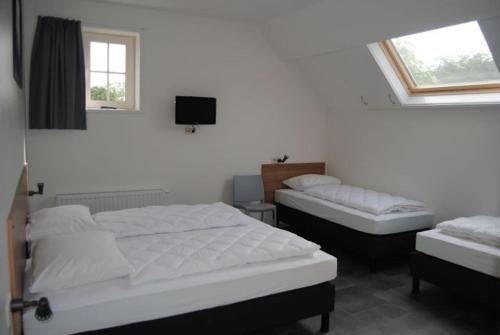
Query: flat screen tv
x=195, y=110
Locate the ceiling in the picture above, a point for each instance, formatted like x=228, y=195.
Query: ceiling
x=247, y=10
x=336, y=25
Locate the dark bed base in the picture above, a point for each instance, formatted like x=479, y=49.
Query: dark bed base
x=373, y=248
x=241, y=317
x=472, y=285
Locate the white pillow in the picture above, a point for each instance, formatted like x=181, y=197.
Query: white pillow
x=72, y=260
x=301, y=183
x=59, y=220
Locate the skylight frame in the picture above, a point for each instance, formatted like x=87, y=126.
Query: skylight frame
x=412, y=89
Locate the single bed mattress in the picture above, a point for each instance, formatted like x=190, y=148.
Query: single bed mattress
x=473, y=255
x=116, y=302
x=353, y=218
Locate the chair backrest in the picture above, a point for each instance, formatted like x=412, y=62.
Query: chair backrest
x=247, y=188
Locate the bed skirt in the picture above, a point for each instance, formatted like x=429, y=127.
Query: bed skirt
x=473, y=285
x=373, y=248
x=241, y=317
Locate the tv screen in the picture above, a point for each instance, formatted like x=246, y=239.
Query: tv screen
x=195, y=110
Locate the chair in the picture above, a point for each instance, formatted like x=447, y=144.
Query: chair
x=248, y=195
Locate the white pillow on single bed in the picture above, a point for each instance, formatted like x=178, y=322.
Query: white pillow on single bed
x=64, y=261
x=59, y=220
x=305, y=181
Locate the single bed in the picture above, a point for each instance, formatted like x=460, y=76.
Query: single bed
x=374, y=237
x=466, y=253
x=228, y=301
x=352, y=218
x=462, y=266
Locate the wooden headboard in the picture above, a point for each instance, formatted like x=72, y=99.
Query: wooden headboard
x=16, y=241
x=274, y=174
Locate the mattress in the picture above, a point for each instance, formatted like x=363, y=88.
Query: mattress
x=115, y=302
x=354, y=218
x=476, y=256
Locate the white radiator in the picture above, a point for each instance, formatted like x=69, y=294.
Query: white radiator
x=113, y=201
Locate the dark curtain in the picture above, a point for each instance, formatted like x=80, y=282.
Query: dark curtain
x=57, y=78
x=17, y=41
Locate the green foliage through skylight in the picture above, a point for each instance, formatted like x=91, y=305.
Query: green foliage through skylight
x=454, y=55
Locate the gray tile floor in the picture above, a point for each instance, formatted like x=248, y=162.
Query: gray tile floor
x=381, y=304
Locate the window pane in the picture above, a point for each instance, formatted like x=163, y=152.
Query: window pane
x=98, y=56
x=117, y=57
x=117, y=87
x=453, y=55
x=98, y=86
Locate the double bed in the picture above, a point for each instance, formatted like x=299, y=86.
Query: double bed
x=373, y=237
x=228, y=300
x=114, y=303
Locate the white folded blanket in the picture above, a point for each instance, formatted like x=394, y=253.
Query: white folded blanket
x=481, y=229
x=365, y=200
x=168, y=219
x=168, y=256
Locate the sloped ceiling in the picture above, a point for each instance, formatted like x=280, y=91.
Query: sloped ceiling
x=333, y=25
x=347, y=75
x=247, y=10
x=491, y=31
x=328, y=40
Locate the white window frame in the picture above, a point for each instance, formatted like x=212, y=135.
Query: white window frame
x=407, y=99
x=132, y=42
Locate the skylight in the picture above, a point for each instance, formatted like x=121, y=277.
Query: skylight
x=447, y=60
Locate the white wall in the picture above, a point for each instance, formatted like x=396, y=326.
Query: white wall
x=265, y=109
x=11, y=144
x=448, y=158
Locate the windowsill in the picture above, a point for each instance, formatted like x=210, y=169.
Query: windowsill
x=465, y=100
x=455, y=107
x=114, y=111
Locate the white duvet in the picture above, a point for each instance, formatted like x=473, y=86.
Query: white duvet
x=166, y=242
x=481, y=229
x=169, y=219
x=168, y=256
x=365, y=200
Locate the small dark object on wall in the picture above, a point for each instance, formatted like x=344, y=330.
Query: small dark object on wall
x=43, y=311
x=195, y=110
x=282, y=160
x=40, y=187
x=17, y=41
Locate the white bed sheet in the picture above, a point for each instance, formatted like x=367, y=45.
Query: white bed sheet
x=467, y=253
x=115, y=302
x=353, y=218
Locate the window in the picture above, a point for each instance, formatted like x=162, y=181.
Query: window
x=449, y=60
x=110, y=65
